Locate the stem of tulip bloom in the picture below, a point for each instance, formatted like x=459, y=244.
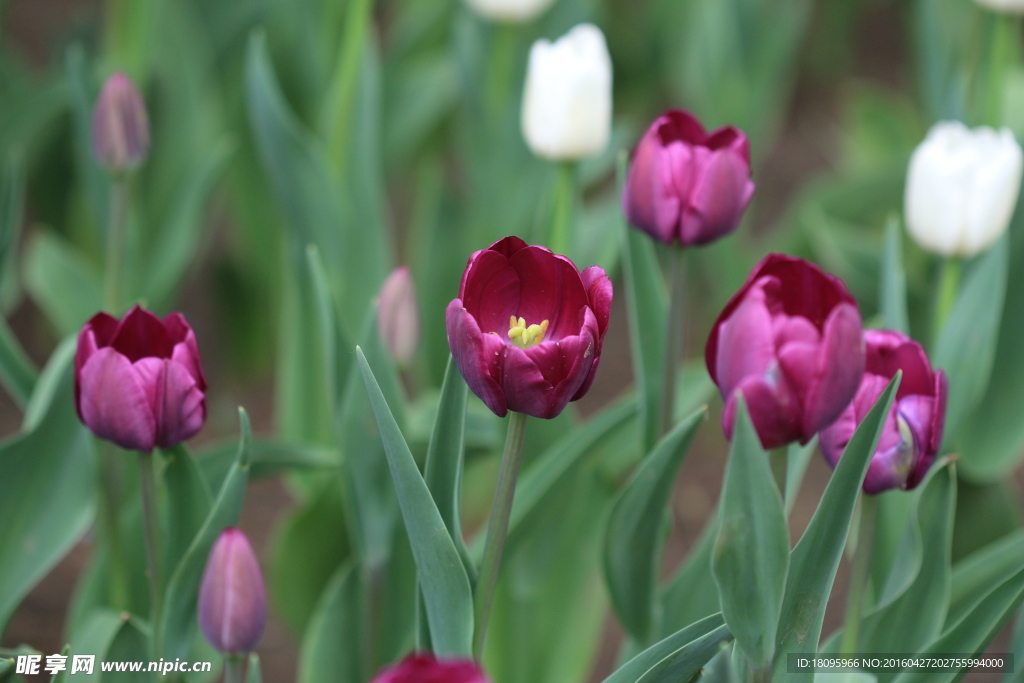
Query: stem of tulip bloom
x=565, y=199
x=674, y=339
x=780, y=466
x=859, y=575
x=234, y=669
x=115, y=243
x=337, y=121
x=945, y=295
x=147, y=482
x=497, y=529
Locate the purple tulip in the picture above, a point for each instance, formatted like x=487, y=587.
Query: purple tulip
x=120, y=125
x=527, y=328
x=139, y=381
x=912, y=434
x=398, y=317
x=425, y=668
x=232, y=598
x=685, y=184
x=791, y=340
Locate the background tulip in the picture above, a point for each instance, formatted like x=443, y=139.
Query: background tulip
x=962, y=188
x=912, y=434
x=398, y=315
x=687, y=185
x=527, y=328
x=567, y=103
x=120, y=125
x=791, y=341
x=425, y=668
x=232, y=597
x=509, y=10
x=139, y=381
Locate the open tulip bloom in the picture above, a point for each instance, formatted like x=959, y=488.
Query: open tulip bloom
x=425, y=668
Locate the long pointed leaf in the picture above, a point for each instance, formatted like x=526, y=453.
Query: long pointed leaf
x=635, y=668
x=333, y=644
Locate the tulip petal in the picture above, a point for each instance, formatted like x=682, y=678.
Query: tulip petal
x=889, y=351
x=141, y=334
x=745, y=344
x=232, y=597
x=550, y=289
x=177, y=404
x=567, y=364
x=186, y=348
x=717, y=198
x=479, y=356
x=525, y=387
x=113, y=402
x=774, y=410
x=840, y=368
x=492, y=292
x=600, y=294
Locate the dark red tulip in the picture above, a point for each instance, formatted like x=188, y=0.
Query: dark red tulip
x=686, y=185
x=791, y=340
x=139, y=381
x=527, y=328
x=912, y=434
x=425, y=668
x=232, y=606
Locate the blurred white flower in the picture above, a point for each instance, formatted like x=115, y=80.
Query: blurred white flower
x=567, y=103
x=962, y=188
x=509, y=10
x=1009, y=6
x=398, y=316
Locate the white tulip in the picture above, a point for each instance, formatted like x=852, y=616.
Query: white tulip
x=567, y=103
x=1008, y=6
x=962, y=188
x=509, y=10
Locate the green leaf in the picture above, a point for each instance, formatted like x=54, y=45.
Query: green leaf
x=751, y=554
x=12, y=209
x=254, y=675
x=61, y=282
x=634, y=539
x=815, y=559
x=268, y=458
x=179, y=616
x=633, y=670
x=1017, y=648
x=48, y=484
x=966, y=347
x=17, y=372
x=687, y=661
x=62, y=676
x=95, y=637
x=974, y=575
x=892, y=303
x=333, y=645
x=692, y=594
x=446, y=589
x=188, y=502
x=797, y=459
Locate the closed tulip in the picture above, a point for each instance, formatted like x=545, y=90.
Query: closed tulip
x=232, y=597
x=509, y=10
x=139, y=380
x=425, y=668
x=686, y=185
x=912, y=434
x=567, y=102
x=398, y=316
x=962, y=188
x=120, y=125
x=527, y=327
x=791, y=341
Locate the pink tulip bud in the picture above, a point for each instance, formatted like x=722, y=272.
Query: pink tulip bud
x=425, y=668
x=791, y=340
x=232, y=597
x=139, y=380
x=912, y=434
x=120, y=125
x=686, y=185
x=527, y=328
x=398, y=316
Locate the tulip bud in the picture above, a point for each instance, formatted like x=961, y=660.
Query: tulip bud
x=912, y=434
x=398, y=316
x=120, y=125
x=139, y=381
x=962, y=188
x=791, y=341
x=686, y=185
x=527, y=328
x=1005, y=6
x=425, y=668
x=509, y=10
x=232, y=598
x=567, y=103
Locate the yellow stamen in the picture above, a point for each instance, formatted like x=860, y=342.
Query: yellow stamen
x=525, y=336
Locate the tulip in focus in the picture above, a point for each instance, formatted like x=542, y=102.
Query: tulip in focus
x=398, y=316
x=425, y=668
x=232, y=597
x=791, y=340
x=962, y=188
x=567, y=103
x=509, y=10
x=527, y=328
x=139, y=380
x=912, y=433
x=686, y=185
x=120, y=125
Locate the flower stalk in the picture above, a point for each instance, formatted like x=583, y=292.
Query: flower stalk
x=115, y=243
x=147, y=484
x=674, y=337
x=945, y=293
x=564, y=201
x=234, y=669
x=859, y=576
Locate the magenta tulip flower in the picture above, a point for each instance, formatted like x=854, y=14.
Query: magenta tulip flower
x=120, y=125
x=912, y=434
x=527, y=328
x=232, y=597
x=791, y=341
x=425, y=668
x=686, y=185
x=139, y=381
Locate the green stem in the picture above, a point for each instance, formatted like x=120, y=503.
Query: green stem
x=109, y=513
x=234, y=669
x=859, y=575
x=497, y=528
x=341, y=96
x=761, y=674
x=674, y=338
x=780, y=466
x=115, y=243
x=565, y=198
x=147, y=481
x=945, y=295
x=1000, y=55
x=500, y=70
